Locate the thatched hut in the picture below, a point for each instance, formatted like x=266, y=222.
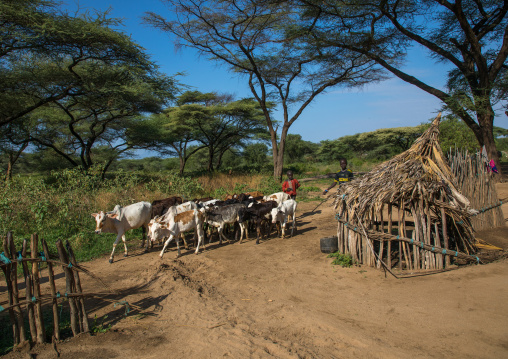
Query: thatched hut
x=406, y=212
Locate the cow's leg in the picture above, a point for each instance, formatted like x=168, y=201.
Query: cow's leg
x=111, y=257
x=184, y=241
x=221, y=234
x=204, y=233
x=258, y=230
x=293, y=228
x=200, y=234
x=243, y=227
x=125, y=245
x=165, y=245
x=149, y=243
x=196, y=239
x=177, y=238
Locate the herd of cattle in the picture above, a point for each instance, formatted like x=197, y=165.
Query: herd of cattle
x=171, y=217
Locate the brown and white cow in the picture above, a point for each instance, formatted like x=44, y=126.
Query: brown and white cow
x=177, y=224
x=172, y=211
x=278, y=197
x=122, y=219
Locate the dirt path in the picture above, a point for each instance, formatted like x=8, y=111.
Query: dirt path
x=283, y=299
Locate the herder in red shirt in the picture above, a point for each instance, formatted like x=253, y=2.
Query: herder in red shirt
x=290, y=185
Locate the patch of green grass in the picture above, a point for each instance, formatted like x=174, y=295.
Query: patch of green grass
x=98, y=326
x=344, y=260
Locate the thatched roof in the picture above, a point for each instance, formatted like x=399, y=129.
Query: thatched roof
x=419, y=175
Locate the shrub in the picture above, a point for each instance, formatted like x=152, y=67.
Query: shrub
x=344, y=260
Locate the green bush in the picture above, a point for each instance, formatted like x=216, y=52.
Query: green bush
x=344, y=260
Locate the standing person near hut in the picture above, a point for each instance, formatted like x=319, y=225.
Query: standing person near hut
x=290, y=185
x=344, y=175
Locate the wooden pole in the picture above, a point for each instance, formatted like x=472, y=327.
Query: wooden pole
x=28, y=293
x=51, y=277
x=14, y=277
x=69, y=286
x=389, y=246
x=81, y=301
x=7, y=269
x=400, y=243
x=445, y=233
x=39, y=320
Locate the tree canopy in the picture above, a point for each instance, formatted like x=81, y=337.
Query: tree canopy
x=33, y=30
x=256, y=39
x=470, y=36
x=212, y=122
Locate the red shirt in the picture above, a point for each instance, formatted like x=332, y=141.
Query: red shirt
x=293, y=184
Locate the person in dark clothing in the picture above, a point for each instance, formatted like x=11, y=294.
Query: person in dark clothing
x=290, y=185
x=344, y=175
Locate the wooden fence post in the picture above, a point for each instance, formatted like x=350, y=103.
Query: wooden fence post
x=39, y=321
x=14, y=277
x=81, y=300
x=28, y=292
x=69, y=285
x=7, y=269
x=51, y=277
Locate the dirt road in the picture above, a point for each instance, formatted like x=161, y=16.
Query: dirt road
x=284, y=299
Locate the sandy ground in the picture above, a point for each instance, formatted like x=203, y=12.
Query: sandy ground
x=284, y=299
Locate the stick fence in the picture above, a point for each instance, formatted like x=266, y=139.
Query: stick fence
x=28, y=303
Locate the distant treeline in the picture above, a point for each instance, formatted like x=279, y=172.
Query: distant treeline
x=363, y=150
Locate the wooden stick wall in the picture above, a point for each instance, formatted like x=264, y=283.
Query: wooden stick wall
x=31, y=298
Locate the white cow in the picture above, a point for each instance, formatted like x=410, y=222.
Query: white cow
x=278, y=197
x=286, y=210
x=122, y=219
x=176, y=225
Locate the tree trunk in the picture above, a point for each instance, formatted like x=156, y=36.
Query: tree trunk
x=8, y=174
x=210, y=160
x=490, y=146
x=278, y=154
x=485, y=135
x=182, y=164
x=13, y=157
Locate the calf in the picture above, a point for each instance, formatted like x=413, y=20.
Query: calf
x=218, y=217
x=285, y=210
x=278, y=197
x=122, y=219
x=172, y=211
x=176, y=225
x=258, y=212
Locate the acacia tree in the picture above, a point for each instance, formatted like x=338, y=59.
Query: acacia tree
x=167, y=133
x=468, y=35
x=110, y=102
x=35, y=29
x=201, y=121
x=219, y=123
x=255, y=39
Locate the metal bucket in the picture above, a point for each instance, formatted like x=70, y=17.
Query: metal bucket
x=329, y=244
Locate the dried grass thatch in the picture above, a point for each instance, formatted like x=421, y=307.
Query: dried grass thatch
x=419, y=184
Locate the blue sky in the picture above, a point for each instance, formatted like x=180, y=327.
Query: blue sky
x=391, y=103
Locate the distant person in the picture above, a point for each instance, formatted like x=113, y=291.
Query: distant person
x=345, y=175
x=290, y=185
